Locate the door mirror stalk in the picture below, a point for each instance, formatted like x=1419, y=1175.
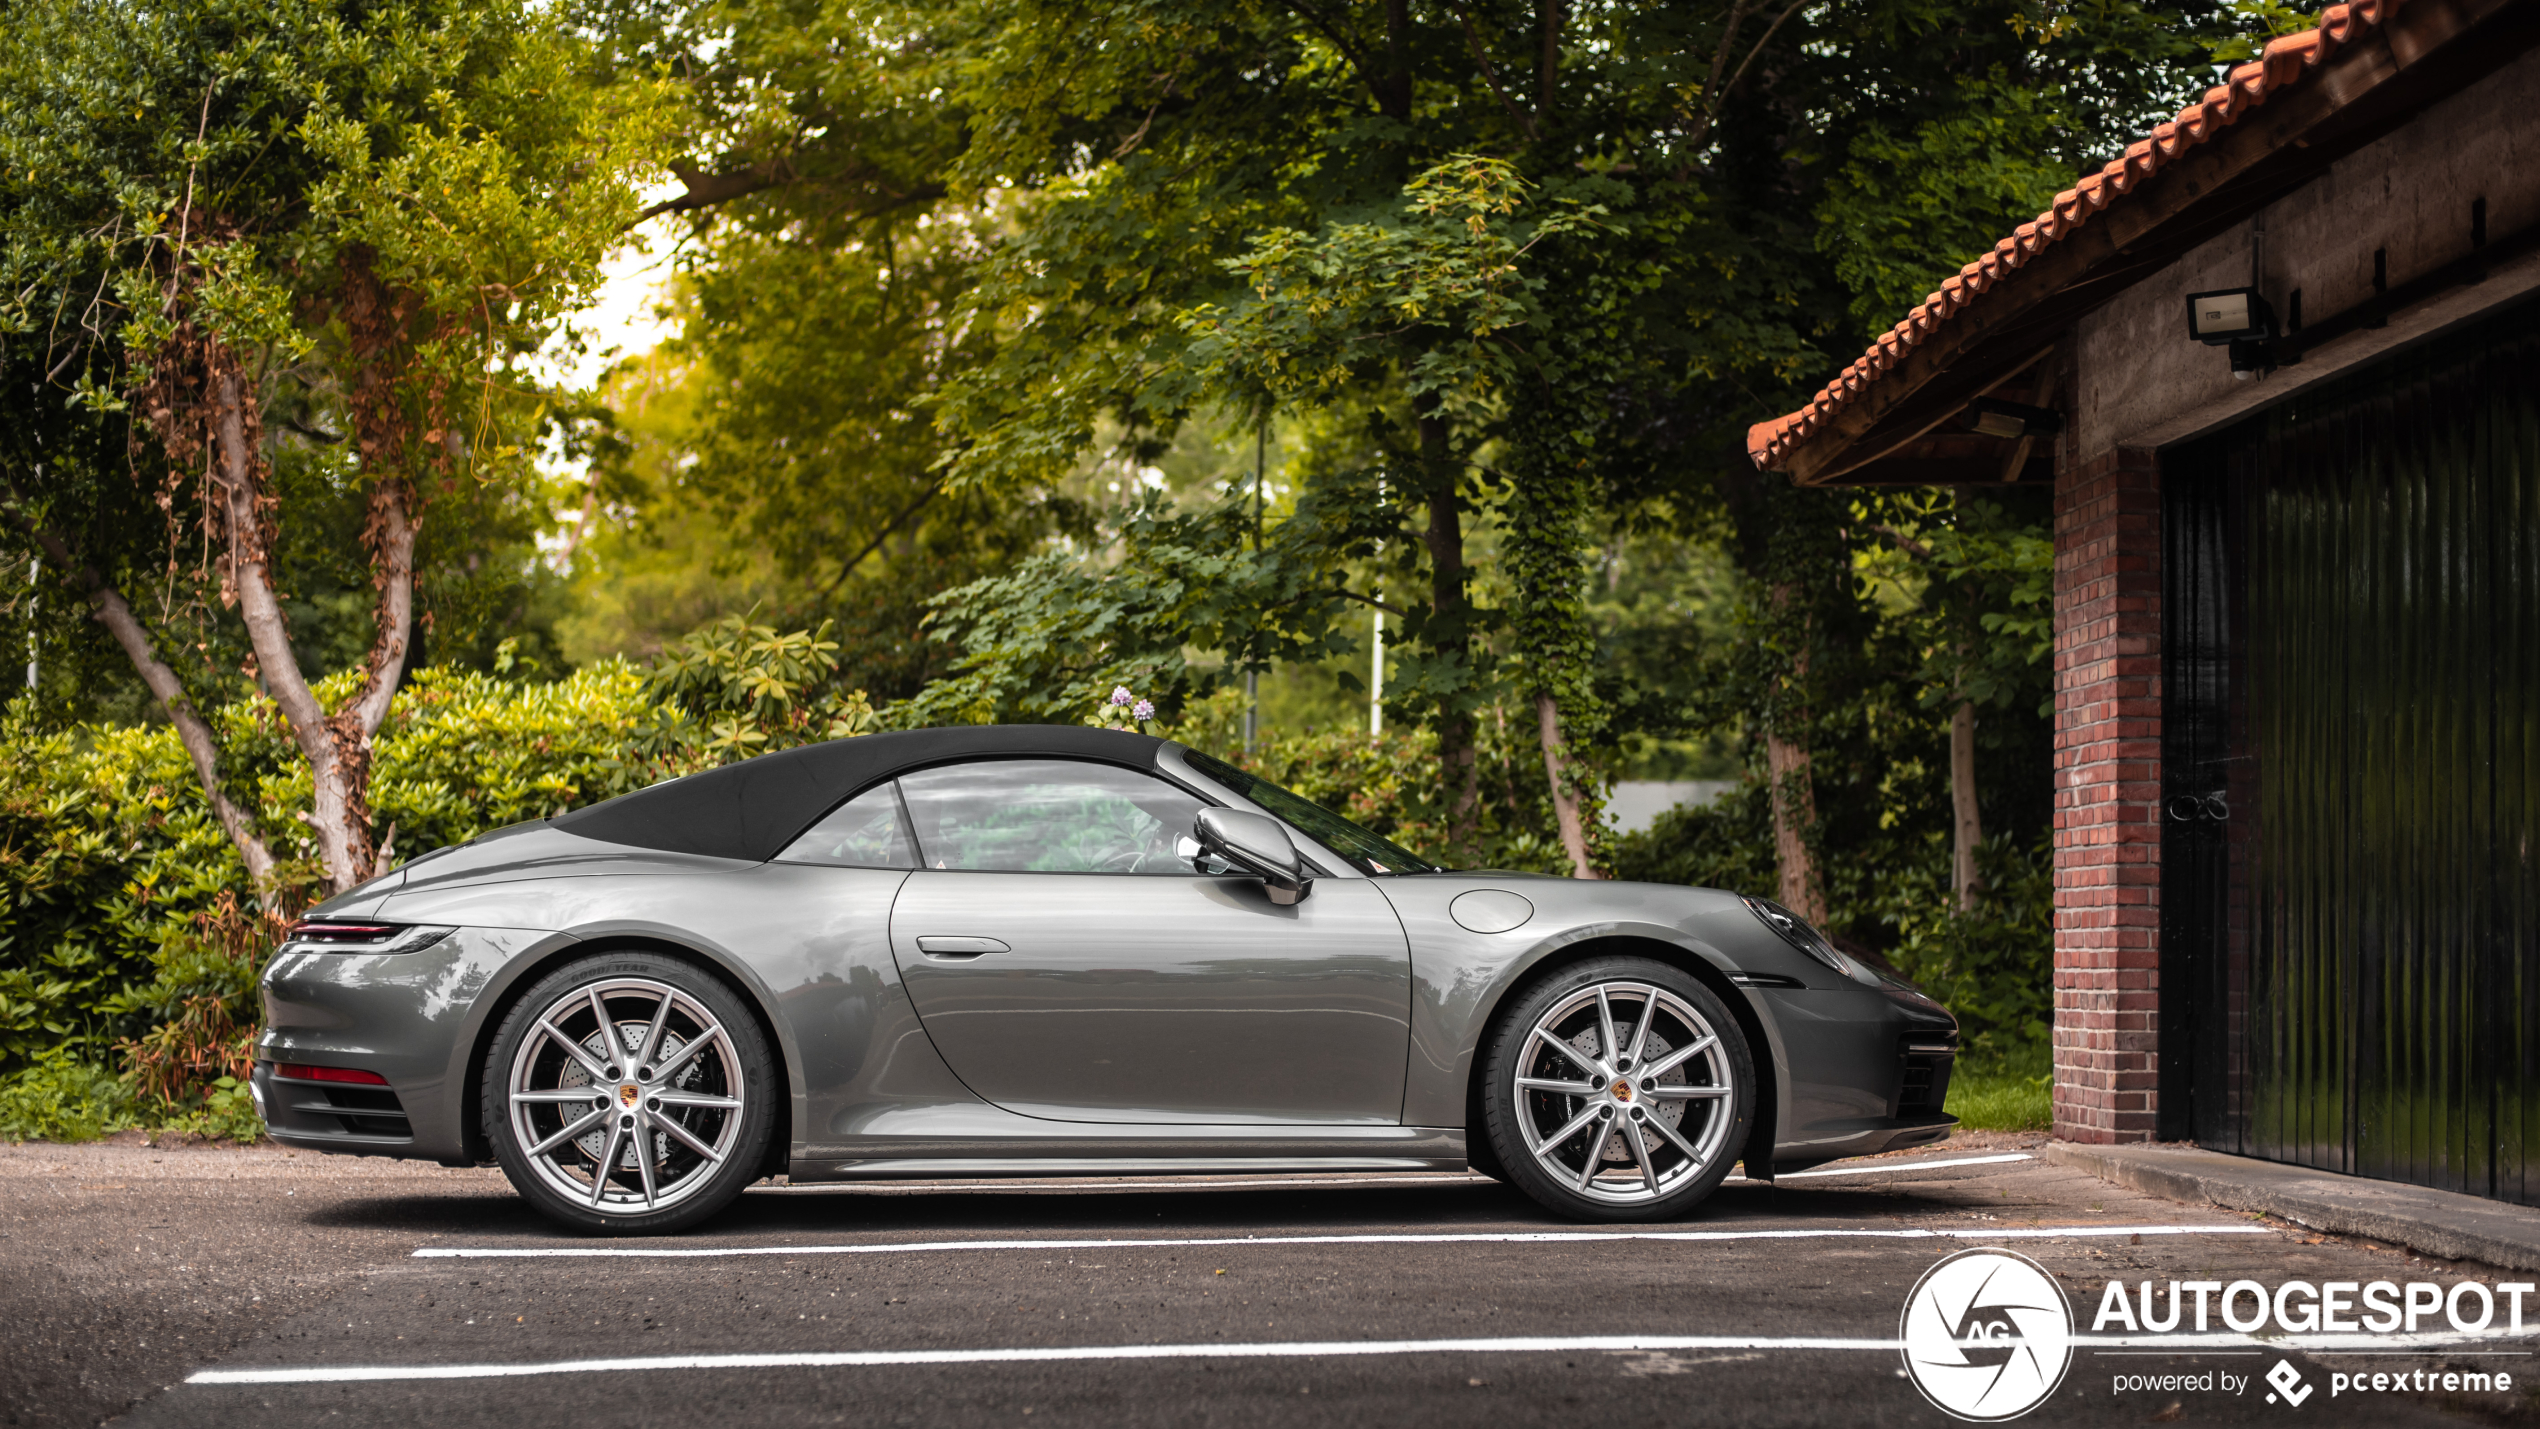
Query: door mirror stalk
x=1260, y=846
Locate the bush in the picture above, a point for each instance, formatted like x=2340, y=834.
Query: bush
x=1389, y=783
x=125, y=927
x=1727, y=843
x=1992, y=965
x=60, y=1096
x=121, y=898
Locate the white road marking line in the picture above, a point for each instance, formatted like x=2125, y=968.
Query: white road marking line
x=1307, y=1349
x=1873, y=1168
x=1301, y=1349
x=579, y=1252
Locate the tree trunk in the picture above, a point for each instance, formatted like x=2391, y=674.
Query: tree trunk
x=1794, y=816
x=1967, y=824
x=1449, y=632
x=113, y=612
x=1565, y=797
x=1762, y=514
x=1794, y=795
x=338, y=747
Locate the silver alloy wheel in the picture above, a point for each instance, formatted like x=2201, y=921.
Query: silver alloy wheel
x=626, y=1096
x=1624, y=1093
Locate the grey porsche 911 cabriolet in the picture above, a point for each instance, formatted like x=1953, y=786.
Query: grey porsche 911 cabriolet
x=1037, y=950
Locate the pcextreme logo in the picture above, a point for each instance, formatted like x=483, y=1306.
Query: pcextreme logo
x=1987, y=1335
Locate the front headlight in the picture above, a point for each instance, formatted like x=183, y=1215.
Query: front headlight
x=1795, y=931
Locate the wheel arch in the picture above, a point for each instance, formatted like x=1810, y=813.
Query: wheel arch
x=1764, y=1047
x=525, y=974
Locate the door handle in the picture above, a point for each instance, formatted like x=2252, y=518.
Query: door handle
x=937, y=945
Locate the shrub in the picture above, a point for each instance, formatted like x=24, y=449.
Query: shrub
x=124, y=930
x=60, y=1096
x=1992, y=965
x=1389, y=783
x=1727, y=843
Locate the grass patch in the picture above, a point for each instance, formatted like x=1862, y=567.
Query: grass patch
x=2004, y=1089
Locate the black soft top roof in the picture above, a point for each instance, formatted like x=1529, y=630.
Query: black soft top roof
x=753, y=809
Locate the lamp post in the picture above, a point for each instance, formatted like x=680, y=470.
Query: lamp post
x=1376, y=671
x=1376, y=652
x=1252, y=677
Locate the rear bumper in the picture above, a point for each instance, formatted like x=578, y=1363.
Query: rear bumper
x=332, y=1116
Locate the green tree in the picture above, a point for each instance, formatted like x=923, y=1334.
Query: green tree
x=1129, y=171
x=248, y=228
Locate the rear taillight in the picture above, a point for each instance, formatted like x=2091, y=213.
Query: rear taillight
x=328, y=930
x=359, y=935
x=297, y=1072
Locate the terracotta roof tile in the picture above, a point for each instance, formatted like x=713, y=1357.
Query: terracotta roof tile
x=2247, y=86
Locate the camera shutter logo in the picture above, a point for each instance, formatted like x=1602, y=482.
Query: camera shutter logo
x=1988, y=1335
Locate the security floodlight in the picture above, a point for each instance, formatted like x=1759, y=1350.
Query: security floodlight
x=2237, y=318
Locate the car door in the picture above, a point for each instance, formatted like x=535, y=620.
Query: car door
x=1069, y=962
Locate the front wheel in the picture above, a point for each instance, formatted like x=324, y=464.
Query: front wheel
x=1619, y=1089
x=631, y=1094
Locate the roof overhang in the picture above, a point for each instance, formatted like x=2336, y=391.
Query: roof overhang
x=1898, y=414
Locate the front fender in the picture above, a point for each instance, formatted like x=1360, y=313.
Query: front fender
x=1461, y=978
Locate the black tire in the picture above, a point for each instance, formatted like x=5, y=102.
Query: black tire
x=676, y=1153
x=1714, y=1084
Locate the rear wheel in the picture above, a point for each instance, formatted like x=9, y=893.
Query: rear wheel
x=1619, y=1089
x=629, y=1093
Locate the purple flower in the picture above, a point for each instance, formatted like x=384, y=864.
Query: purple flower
x=1120, y=695
x=1145, y=710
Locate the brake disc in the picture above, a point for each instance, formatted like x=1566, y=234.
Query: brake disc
x=1670, y=1111
x=597, y=1141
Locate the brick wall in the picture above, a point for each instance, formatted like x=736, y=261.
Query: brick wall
x=2107, y=795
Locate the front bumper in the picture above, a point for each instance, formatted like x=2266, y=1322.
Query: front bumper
x=414, y=1018
x=1869, y=1070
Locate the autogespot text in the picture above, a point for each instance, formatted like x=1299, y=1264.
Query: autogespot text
x=2298, y=1307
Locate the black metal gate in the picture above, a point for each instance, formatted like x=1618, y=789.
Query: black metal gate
x=2351, y=769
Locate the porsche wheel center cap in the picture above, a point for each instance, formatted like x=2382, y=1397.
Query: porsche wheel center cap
x=1622, y=1090
x=627, y=1092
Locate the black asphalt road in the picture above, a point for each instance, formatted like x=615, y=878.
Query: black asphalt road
x=127, y=1270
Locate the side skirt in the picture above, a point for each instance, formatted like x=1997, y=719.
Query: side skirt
x=1227, y=1150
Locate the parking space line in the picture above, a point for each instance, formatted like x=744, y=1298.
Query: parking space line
x=586, y=1252
x=1303, y=1349
x=2209, y=1343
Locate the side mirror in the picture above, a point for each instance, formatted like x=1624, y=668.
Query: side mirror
x=1259, y=845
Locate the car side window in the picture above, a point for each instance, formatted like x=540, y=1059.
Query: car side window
x=1049, y=816
x=864, y=832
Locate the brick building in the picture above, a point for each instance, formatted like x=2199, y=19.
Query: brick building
x=2281, y=361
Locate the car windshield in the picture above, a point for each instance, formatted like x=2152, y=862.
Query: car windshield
x=1368, y=852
